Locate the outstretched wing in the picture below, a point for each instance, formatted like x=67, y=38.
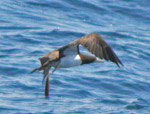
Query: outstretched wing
x=69, y=49
x=98, y=46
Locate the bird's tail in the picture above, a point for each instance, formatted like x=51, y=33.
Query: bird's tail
x=45, y=66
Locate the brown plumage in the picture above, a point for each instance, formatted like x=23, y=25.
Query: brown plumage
x=98, y=46
x=93, y=42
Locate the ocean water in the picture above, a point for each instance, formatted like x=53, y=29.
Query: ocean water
x=32, y=28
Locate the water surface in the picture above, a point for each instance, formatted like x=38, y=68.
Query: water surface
x=31, y=28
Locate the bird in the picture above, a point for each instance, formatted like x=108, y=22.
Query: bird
x=70, y=56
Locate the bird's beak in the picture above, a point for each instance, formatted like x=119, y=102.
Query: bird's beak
x=99, y=60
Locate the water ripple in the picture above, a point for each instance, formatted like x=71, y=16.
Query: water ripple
x=31, y=28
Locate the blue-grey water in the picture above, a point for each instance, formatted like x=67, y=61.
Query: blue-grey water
x=32, y=28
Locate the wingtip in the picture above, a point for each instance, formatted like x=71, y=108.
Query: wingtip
x=119, y=64
x=33, y=71
x=122, y=64
x=46, y=97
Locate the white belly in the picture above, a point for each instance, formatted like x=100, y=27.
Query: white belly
x=70, y=61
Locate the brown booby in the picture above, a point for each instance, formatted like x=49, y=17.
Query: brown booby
x=69, y=56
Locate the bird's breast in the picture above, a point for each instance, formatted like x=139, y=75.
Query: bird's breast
x=70, y=61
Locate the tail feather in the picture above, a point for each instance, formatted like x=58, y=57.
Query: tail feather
x=45, y=72
x=46, y=75
x=37, y=69
x=46, y=64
